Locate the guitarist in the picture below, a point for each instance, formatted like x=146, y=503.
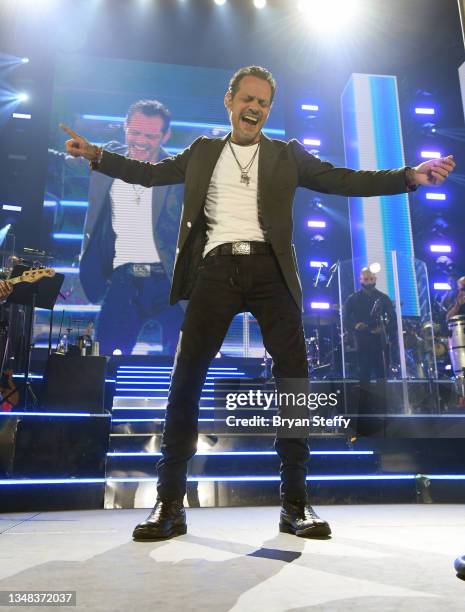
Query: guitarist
x=364, y=310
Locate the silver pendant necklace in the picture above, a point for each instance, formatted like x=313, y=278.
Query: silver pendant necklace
x=138, y=194
x=245, y=170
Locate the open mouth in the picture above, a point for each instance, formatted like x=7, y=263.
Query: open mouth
x=250, y=119
x=139, y=148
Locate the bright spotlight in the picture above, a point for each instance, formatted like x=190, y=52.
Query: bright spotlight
x=25, y=60
x=259, y=4
x=3, y=232
x=374, y=267
x=117, y=351
x=22, y=97
x=328, y=14
x=220, y=2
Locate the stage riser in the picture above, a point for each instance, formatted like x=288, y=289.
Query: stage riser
x=231, y=466
x=53, y=447
x=151, y=443
x=25, y=498
x=32, y=498
x=224, y=494
x=391, y=426
x=422, y=396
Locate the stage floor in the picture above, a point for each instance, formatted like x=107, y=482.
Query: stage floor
x=389, y=557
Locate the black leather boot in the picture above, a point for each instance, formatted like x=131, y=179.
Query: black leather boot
x=301, y=520
x=167, y=520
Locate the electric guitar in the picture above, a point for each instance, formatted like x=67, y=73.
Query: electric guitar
x=32, y=275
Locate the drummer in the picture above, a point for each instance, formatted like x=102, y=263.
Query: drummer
x=459, y=307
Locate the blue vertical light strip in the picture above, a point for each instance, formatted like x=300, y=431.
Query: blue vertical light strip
x=353, y=161
x=395, y=212
x=370, y=105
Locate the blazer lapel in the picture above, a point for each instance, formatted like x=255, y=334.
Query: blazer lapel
x=159, y=195
x=210, y=156
x=267, y=160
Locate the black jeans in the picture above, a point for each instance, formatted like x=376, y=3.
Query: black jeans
x=370, y=358
x=227, y=285
x=373, y=360
x=131, y=301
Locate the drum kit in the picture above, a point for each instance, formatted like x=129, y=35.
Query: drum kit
x=456, y=339
x=323, y=335
x=422, y=342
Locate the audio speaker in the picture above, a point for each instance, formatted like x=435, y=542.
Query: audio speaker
x=74, y=384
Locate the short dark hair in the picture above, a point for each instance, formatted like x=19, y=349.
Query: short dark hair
x=150, y=108
x=256, y=71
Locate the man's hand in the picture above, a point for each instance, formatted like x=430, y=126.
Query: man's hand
x=360, y=325
x=5, y=289
x=78, y=146
x=434, y=171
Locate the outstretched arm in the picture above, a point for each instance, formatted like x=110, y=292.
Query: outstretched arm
x=324, y=177
x=169, y=171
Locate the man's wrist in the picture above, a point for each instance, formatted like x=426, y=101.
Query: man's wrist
x=95, y=157
x=411, y=179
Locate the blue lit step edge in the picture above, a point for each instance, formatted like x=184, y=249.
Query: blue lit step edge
x=219, y=478
x=207, y=426
x=130, y=440
x=213, y=371
x=330, y=453
x=55, y=415
x=163, y=378
x=122, y=412
x=150, y=403
x=152, y=392
x=259, y=463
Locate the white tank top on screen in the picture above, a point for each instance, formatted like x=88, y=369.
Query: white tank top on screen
x=132, y=224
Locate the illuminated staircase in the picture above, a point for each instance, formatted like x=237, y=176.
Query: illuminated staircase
x=232, y=469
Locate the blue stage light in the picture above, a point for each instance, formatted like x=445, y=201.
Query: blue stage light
x=440, y=248
x=435, y=196
x=430, y=154
x=424, y=111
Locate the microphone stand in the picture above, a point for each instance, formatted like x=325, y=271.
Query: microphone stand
x=377, y=313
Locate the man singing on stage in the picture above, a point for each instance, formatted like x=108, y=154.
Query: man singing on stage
x=235, y=254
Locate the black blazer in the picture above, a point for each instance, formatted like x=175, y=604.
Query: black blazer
x=282, y=167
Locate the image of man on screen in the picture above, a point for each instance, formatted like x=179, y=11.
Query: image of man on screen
x=129, y=242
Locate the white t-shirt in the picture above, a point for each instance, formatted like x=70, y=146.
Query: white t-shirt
x=231, y=208
x=131, y=215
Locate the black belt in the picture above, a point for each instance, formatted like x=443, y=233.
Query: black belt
x=242, y=248
x=143, y=270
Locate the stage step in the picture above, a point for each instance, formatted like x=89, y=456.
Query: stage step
x=231, y=463
x=137, y=424
x=236, y=468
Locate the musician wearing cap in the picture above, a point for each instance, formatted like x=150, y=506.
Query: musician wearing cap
x=235, y=254
x=459, y=307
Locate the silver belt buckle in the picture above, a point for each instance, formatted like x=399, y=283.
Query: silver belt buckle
x=241, y=248
x=141, y=270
